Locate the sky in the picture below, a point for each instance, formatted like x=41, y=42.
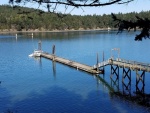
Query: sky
x=136, y=5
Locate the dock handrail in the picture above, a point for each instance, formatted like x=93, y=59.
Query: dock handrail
x=102, y=64
x=124, y=63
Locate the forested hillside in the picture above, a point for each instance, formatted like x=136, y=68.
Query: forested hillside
x=25, y=19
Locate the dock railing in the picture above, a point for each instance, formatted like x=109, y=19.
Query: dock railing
x=134, y=65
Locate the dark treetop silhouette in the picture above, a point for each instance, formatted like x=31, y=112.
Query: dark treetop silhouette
x=141, y=23
x=52, y=5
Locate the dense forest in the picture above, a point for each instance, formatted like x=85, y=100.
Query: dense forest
x=27, y=19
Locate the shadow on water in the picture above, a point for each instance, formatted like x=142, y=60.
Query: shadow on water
x=38, y=60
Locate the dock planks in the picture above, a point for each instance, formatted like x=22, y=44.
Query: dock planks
x=71, y=63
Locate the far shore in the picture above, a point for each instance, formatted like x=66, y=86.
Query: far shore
x=36, y=31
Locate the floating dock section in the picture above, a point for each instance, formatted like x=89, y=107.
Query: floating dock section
x=133, y=65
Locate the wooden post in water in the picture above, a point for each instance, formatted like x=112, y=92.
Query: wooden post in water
x=40, y=45
x=103, y=61
x=97, y=62
x=53, y=52
x=126, y=84
x=115, y=71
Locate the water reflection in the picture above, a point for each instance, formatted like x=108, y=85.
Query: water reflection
x=38, y=60
x=54, y=69
x=138, y=96
x=60, y=35
x=28, y=89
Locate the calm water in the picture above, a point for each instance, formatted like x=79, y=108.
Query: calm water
x=29, y=85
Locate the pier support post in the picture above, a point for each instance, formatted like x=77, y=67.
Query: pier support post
x=115, y=71
x=97, y=68
x=126, y=85
x=53, y=50
x=126, y=74
x=103, y=66
x=140, y=80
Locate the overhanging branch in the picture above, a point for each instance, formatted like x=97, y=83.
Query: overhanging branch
x=140, y=23
x=76, y=3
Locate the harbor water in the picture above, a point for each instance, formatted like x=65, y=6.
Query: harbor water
x=39, y=85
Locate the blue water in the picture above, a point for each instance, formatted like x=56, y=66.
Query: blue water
x=29, y=85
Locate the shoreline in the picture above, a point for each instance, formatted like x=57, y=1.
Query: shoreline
x=36, y=31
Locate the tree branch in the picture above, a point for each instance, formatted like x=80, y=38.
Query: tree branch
x=143, y=24
x=76, y=3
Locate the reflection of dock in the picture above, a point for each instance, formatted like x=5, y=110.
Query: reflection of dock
x=139, y=96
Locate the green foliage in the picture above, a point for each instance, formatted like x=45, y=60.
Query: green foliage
x=21, y=18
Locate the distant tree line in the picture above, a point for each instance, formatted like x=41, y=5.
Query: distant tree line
x=22, y=18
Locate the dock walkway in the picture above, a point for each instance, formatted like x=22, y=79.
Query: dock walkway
x=96, y=69
x=71, y=63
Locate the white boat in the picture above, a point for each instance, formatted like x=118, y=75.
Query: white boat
x=36, y=53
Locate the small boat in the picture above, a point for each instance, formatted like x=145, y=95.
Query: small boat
x=36, y=53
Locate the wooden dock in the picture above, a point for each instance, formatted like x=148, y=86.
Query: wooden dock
x=133, y=65
x=96, y=69
x=71, y=63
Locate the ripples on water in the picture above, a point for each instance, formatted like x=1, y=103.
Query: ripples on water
x=31, y=85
